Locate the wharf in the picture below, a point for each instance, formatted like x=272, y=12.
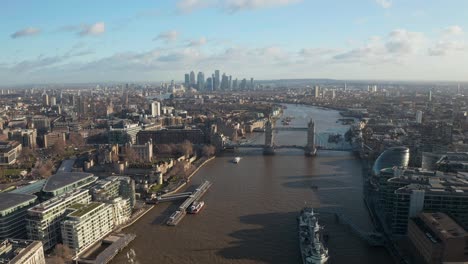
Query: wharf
x=178, y=215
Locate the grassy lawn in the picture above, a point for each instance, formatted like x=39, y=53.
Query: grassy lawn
x=12, y=172
x=156, y=188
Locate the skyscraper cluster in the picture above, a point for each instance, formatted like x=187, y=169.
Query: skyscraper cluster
x=217, y=82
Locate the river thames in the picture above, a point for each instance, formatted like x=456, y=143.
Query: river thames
x=251, y=209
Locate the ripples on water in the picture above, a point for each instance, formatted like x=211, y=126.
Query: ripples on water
x=251, y=209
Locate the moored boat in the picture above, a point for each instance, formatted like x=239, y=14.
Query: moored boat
x=196, y=207
x=313, y=250
x=236, y=160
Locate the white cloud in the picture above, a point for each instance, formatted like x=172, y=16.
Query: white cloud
x=93, y=30
x=443, y=48
x=316, y=52
x=30, y=31
x=231, y=6
x=398, y=44
x=384, y=3
x=168, y=36
x=197, y=42
x=187, y=6
x=453, y=31
x=239, y=5
x=402, y=41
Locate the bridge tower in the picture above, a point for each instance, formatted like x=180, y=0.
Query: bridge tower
x=310, y=149
x=269, y=149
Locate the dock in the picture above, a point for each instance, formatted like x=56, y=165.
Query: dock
x=178, y=215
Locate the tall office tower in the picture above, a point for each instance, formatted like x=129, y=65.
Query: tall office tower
x=224, y=81
x=419, y=115
x=316, y=91
x=430, y=95
x=234, y=84
x=216, y=80
x=209, y=84
x=252, y=86
x=45, y=99
x=53, y=101
x=243, y=84
x=155, y=108
x=345, y=86
x=192, y=79
x=187, y=80
x=201, y=81
x=230, y=82
x=213, y=80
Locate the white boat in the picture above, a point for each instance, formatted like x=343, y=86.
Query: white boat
x=313, y=250
x=236, y=160
x=195, y=207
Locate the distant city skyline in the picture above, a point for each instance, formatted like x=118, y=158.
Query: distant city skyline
x=149, y=41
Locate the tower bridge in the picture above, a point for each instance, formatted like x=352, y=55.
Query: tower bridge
x=315, y=141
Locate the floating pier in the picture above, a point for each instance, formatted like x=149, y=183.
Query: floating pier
x=178, y=215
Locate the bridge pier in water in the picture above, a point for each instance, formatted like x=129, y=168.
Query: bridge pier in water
x=310, y=149
x=269, y=149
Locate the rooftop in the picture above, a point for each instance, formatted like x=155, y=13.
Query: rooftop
x=10, y=200
x=63, y=179
x=51, y=203
x=6, y=146
x=442, y=225
x=82, y=209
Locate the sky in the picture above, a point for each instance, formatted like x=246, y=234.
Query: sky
x=82, y=41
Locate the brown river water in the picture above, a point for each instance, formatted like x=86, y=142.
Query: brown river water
x=250, y=210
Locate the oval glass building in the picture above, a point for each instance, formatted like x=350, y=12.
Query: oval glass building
x=395, y=156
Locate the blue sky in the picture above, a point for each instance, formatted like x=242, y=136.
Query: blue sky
x=96, y=41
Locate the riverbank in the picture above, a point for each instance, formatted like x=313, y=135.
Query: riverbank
x=191, y=175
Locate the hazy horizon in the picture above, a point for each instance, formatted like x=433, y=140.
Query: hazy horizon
x=52, y=42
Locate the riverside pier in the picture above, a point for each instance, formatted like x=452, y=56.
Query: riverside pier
x=178, y=215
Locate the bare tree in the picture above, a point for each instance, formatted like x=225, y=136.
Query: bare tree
x=62, y=252
x=130, y=155
x=76, y=140
x=54, y=260
x=26, y=155
x=58, y=148
x=208, y=150
x=44, y=169
x=186, y=148
x=164, y=149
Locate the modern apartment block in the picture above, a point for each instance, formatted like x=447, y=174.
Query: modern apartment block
x=113, y=187
x=410, y=192
x=43, y=220
x=13, y=207
x=15, y=251
x=86, y=224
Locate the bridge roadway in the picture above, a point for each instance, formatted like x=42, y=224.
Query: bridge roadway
x=287, y=147
x=173, y=197
x=178, y=215
x=286, y=128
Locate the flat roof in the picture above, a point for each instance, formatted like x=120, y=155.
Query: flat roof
x=63, y=179
x=66, y=166
x=10, y=200
x=443, y=225
x=82, y=209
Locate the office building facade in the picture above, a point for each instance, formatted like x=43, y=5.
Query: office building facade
x=43, y=220
x=85, y=224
